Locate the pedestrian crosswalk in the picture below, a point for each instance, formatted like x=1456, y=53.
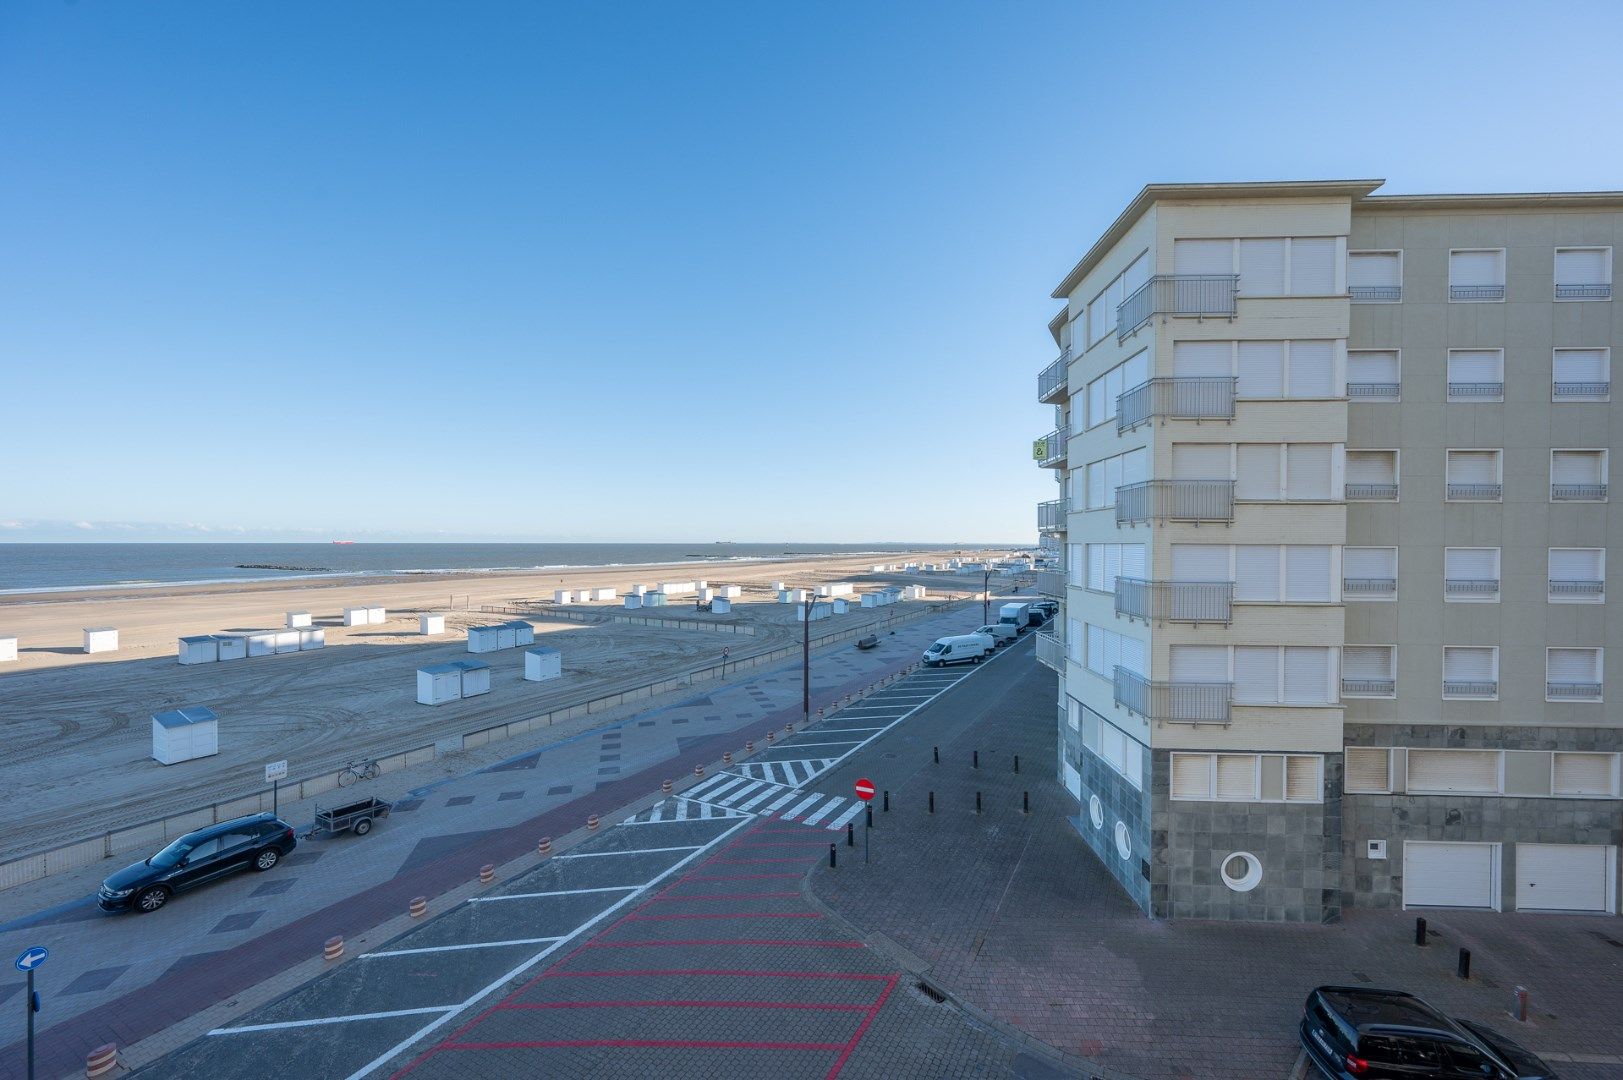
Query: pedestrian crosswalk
x=731, y=795
x=683, y=809
x=792, y=773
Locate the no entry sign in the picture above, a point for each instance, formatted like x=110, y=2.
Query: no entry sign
x=865, y=789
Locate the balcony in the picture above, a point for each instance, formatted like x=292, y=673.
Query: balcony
x=1175, y=500
x=1577, y=492
x=1369, y=586
x=1051, y=515
x=1476, y=292
x=1475, y=492
x=1176, y=601
x=1372, y=492
x=1051, y=583
x=1386, y=688
x=1582, y=590
x=1051, y=651
x=1581, y=391
x=1178, y=399
x=1049, y=451
x=1373, y=391
x=1476, y=391
x=1572, y=691
x=1470, y=688
x=1173, y=702
x=1376, y=294
x=1471, y=588
x=1583, y=292
x=1184, y=295
x=1052, y=387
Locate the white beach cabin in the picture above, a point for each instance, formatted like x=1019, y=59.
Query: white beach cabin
x=101, y=639
x=312, y=638
x=232, y=646
x=8, y=649
x=475, y=677
x=201, y=649
x=185, y=734
x=438, y=683
x=523, y=633
x=543, y=663
x=429, y=625
x=376, y=615
x=721, y=606
x=482, y=639
x=564, y=596
x=600, y=594
x=730, y=592
x=287, y=641
x=298, y=619
x=357, y=616
x=262, y=643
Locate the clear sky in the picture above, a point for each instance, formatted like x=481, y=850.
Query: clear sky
x=653, y=271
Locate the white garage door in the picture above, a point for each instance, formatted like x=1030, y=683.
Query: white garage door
x=1565, y=877
x=1450, y=875
x=1073, y=781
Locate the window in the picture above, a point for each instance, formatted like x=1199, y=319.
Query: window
x=1270, y=472
x=1475, y=276
x=1283, y=675
x=1583, y=273
x=1369, y=573
x=1199, y=663
x=1201, y=461
x=1375, y=277
x=1473, y=476
x=1104, y=477
x=1471, y=574
x=1584, y=774
x=1577, y=575
x=1107, y=650
x=1121, y=752
x=1369, y=671
x=1248, y=777
x=1103, y=391
x=1264, y=369
x=1454, y=771
x=1577, y=476
x=1372, y=475
x=1102, y=308
x=1203, y=256
x=1074, y=643
x=1476, y=375
x=1581, y=375
x=1106, y=562
x=1471, y=672
x=1572, y=674
x=1075, y=566
x=1262, y=573
x=205, y=849
x=1373, y=375
x=1267, y=266
x=1369, y=770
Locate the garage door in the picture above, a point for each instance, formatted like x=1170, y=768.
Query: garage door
x=1565, y=877
x=1073, y=782
x=1450, y=875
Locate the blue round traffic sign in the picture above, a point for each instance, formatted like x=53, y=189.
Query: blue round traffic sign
x=32, y=958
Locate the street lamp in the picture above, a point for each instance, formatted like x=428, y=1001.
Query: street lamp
x=986, y=596
x=805, y=655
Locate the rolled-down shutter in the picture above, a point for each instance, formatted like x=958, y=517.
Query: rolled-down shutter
x=1191, y=776
x=1202, y=359
x=1572, y=665
x=1364, y=562
x=1581, y=266
x=1563, y=877
x=1454, y=770
x=1471, y=564
x=1468, y=663
x=1200, y=663
x=1473, y=467
x=1200, y=461
x=1585, y=774
x=1474, y=268
x=1256, y=573
x=1575, y=564
x=1112, y=568
x=1307, y=675
x=1371, y=467
x=1307, y=573
x=1313, y=369
x=1576, y=467
x=1096, y=567
x=1136, y=370
x=1370, y=366
x=1448, y=875
x=1302, y=783
x=1200, y=562
x=1257, y=471
x=1369, y=769
x=1581, y=365
x=1203, y=256
x=1313, y=266
x=1476, y=366
x=1372, y=269
x=1256, y=674
x=1261, y=369
x=1236, y=776
x=1135, y=466
x=1133, y=562
x=1132, y=655
x=1262, y=267
x=1366, y=661
x=1307, y=471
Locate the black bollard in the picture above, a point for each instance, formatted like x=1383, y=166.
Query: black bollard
x=1420, y=931
x=832, y=848
x=932, y=802
x=850, y=835
x=937, y=752
x=1465, y=964
x=1025, y=802
x=887, y=800
x=1017, y=763
x=977, y=802
x=976, y=760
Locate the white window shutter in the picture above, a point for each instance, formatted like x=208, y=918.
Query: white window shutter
x=1581, y=365
x=1236, y=776
x=1471, y=564
x=1572, y=665
x=1372, y=366
x=1203, y=256
x=1200, y=562
x=1307, y=573
x=1262, y=267
x=1261, y=368
x=1475, y=268
x=1581, y=266
x=1577, y=467
x=1313, y=369
x=1256, y=674
x=1096, y=650
x=1307, y=471
x=1454, y=770
x=1366, y=662
x=1369, y=562
x=1137, y=274
x=1191, y=776
x=1473, y=467
x=1200, y=461
x=1132, y=655
x=1134, y=563
x=1307, y=675
x=1372, y=269
x=1112, y=565
x=1257, y=471
x=1302, y=778
x=1202, y=359
x=1096, y=567
x=1256, y=572
x=1585, y=774
x=1200, y=663
x=1371, y=467
x=1136, y=371
x=1313, y=266
x=1468, y=663
x=1369, y=769
x=1476, y=366
x=1576, y=564
x=1135, y=466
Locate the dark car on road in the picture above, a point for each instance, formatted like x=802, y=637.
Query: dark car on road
x=1361, y=1033
x=198, y=857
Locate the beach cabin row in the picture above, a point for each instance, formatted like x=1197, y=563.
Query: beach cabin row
x=210, y=648
x=439, y=683
x=507, y=635
x=185, y=734
x=836, y=588
x=792, y=596
x=570, y=596
x=882, y=598
x=364, y=616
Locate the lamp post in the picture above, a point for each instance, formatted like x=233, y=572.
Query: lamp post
x=805, y=656
x=986, y=596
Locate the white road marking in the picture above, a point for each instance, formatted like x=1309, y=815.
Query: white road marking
x=839, y=822
x=842, y=742
x=558, y=892
x=285, y=1024
x=823, y=811
x=794, y=811
x=779, y=802
x=762, y=797
x=458, y=948
x=635, y=851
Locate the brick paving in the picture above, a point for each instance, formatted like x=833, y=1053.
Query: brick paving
x=1012, y=914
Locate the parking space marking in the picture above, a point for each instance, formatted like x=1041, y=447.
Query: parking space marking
x=558, y=892
x=633, y=851
x=842, y=742
x=320, y=1020
x=458, y=948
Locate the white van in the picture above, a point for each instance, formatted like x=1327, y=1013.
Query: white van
x=968, y=648
x=1000, y=633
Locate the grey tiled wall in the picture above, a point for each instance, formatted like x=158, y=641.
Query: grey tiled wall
x=1120, y=802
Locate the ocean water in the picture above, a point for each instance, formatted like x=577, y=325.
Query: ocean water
x=31, y=567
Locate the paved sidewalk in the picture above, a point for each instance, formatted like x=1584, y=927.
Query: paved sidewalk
x=1012, y=914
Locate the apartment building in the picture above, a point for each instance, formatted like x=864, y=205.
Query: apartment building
x=1333, y=492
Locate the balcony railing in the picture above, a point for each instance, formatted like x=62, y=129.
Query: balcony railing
x=1174, y=702
x=1581, y=390
x=1369, y=586
x=1175, y=601
x=1051, y=583
x=1583, y=292
x=1051, y=651
x=1373, y=391
x=1351, y=687
x=1578, y=492
x=1478, y=587
x=1476, y=492
x=1049, y=451
x=1375, y=294
x=1051, y=515
x=1588, y=590
x=1475, y=391
x=1476, y=292
x=1175, y=500
x=1372, y=492
x=1176, y=398
x=1197, y=295
x=1051, y=380
x=1572, y=691
x=1470, y=688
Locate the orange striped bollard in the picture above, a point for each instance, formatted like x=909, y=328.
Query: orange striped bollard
x=727, y=757
x=419, y=907
x=665, y=786
x=698, y=770
x=544, y=848
x=487, y=874
x=790, y=728
x=749, y=748
x=101, y=1061
x=334, y=948
x=591, y=823
x=771, y=737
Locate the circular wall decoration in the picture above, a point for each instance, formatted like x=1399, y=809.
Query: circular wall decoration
x=1241, y=871
x=1096, y=812
x=1124, y=842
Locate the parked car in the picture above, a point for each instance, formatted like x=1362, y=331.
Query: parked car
x=963, y=649
x=1000, y=633
x=198, y=857
x=1048, y=607
x=1362, y=1033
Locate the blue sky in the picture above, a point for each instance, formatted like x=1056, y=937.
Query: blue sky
x=659, y=272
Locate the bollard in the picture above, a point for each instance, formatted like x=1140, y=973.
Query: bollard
x=819, y=712
x=1025, y=802
x=101, y=1061
x=887, y=800
x=419, y=907
x=832, y=848
x=850, y=835
x=591, y=823
x=936, y=750
x=1420, y=931
x=975, y=761
x=789, y=728
x=1518, y=1004
x=1017, y=763
x=771, y=737
x=749, y=748
x=726, y=757
x=1464, y=970
x=487, y=874
x=977, y=802
x=698, y=770
x=932, y=802
x=333, y=949
x=544, y=848
x=665, y=786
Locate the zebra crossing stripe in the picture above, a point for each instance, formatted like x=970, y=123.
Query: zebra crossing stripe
x=794, y=811
x=715, y=793
x=779, y=801
x=708, y=784
x=824, y=810
x=839, y=822
x=733, y=797
x=762, y=797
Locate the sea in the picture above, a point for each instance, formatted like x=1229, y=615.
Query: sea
x=47, y=567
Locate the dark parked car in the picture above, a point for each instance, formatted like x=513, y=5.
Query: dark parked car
x=1360, y=1033
x=259, y=841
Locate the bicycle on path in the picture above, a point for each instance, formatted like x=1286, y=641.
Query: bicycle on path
x=358, y=770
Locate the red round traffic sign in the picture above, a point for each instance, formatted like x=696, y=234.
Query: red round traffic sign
x=865, y=789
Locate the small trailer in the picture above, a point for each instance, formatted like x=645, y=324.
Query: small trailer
x=355, y=817
x=869, y=642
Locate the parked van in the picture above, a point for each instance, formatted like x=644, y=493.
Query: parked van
x=966, y=648
x=1000, y=633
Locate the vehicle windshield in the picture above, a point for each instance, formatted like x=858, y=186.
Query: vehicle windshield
x=171, y=855
x=937, y=647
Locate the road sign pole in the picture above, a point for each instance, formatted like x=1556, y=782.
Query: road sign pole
x=28, y=1003
x=865, y=833
x=275, y=810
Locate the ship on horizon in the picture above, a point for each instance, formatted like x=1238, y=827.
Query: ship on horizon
x=343, y=541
